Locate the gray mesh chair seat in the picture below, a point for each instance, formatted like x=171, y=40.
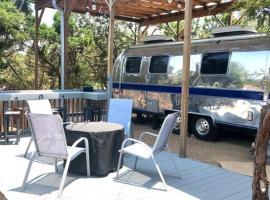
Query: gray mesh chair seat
x=40, y=106
x=141, y=150
x=49, y=138
x=138, y=149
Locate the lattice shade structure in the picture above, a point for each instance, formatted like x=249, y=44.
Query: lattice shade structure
x=145, y=12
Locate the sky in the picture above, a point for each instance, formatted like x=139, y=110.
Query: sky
x=47, y=16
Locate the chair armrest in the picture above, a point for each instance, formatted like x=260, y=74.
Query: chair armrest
x=146, y=133
x=67, y=123
x=135, y=141
x=79, y=140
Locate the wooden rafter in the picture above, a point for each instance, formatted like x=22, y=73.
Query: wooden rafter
x=146, y=11
x=180, y=15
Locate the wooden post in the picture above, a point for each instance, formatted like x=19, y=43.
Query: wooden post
x=144, y=32
x=173, y=31
x=185, y=79
x=64, y=72
x=37, y=23
x=139, y=35
x=177, y=30
x=135, y=33
x=110, y=48
x=36, y=49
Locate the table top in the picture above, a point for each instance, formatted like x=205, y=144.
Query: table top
x=94, y=127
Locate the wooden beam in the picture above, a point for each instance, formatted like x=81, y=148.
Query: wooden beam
x=38, y=18
x=239, y=19
x=142, y=34
x=36, y=49
x=147, y=11
x=40, y=4
x=70, y=7
x=171, y=29
x=185, y=79
x=139, y=35
x=181, y=35
x=66, y=74
x=110, y=50
x=199, y=12
x=219, y=20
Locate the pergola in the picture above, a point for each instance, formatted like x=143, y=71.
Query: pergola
x=143, y=12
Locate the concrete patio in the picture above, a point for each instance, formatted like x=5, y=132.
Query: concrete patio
x=197, y=180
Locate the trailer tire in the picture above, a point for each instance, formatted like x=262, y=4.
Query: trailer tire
x=203, y=128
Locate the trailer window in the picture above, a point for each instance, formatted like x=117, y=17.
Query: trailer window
x=159, y=64
x=133, y=64
x=215, y=63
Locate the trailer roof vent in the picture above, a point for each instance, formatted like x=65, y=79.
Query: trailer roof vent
x=232, y=30
x=157, y=39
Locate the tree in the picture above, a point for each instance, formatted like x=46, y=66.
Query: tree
x=258, y=11
x=87, y=51
x=13, y=34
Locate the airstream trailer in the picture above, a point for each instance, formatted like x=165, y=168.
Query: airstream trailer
x=229, y=80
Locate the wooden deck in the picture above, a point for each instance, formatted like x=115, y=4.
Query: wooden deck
x=196, y=180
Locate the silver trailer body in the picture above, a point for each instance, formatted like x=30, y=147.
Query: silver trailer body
x=229, y=80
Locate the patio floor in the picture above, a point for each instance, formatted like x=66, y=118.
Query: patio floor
x=197, y=180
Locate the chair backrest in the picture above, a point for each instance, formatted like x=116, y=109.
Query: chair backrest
x=41, y=106
x=48, y=134
x=164, y=133
x=120, y=111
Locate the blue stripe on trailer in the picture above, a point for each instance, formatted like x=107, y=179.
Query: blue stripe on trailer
x=228, y=93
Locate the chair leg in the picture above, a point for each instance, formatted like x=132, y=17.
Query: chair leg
x=28, y=146
x=160, y=174
x=135, y=163
x=28, y=170
x=55, y=165
x=6, y=123
x=87, y=162
x=17, y=130
x=119, y=163
x=63, y=178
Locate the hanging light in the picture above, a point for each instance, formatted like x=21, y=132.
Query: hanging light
x=169, y=1
x=94, y=5
x=179, y=4
x=87, y=14
x=87, y=9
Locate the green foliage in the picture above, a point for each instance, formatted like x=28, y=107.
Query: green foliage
x=258, y=11
x=11, y=27
x=87, y=51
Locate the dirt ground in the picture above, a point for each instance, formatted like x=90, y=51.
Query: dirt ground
x=231, y=151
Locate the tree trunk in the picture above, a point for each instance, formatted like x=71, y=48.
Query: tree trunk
x=2, y=196
x=260, y=181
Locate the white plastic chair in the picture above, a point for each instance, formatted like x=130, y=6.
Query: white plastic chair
x=49, y=138
x=142, y=150
x=120, y=111
x=41, y=106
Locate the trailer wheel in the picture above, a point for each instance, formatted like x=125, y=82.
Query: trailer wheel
x=203, y=128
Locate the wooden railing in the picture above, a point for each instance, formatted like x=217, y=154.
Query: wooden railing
x=72, y=105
